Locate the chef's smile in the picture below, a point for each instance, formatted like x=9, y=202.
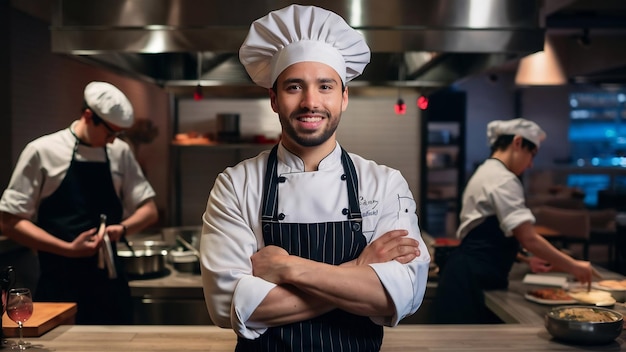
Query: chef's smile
x=310, y=122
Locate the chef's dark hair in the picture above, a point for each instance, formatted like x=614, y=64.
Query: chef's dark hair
x=505, y=140
x=96, y=119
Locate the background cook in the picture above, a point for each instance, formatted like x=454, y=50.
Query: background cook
x=61, y=184
x=494, y=222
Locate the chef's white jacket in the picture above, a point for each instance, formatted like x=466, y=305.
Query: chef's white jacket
x=232, y=233
x=43, y=163
x=494, y=190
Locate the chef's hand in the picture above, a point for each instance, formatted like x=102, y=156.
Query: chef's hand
x=269, y=262
x=393, y=245
x=85, y=244
x=582, y=271
x=115, y=232
x=538, y=265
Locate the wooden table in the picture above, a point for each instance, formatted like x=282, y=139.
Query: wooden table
x=426, y=338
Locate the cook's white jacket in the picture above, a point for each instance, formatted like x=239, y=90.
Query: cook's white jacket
x=494, y=190
x=43, y=163
x=231, y=231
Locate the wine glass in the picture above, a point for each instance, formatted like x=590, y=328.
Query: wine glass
x=20, y=309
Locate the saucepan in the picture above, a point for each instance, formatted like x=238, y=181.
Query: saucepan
x=586, y=325
x=185, y=257
x=144, y=258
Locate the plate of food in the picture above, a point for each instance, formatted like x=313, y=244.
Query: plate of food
x=595, y=297
x=550, y=296
x=617, y=288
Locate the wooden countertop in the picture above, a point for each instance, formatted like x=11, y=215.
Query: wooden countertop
x=504, y=337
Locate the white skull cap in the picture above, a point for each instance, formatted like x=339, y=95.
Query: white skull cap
x=519, y=126
x=108, y=102
x=299, y=33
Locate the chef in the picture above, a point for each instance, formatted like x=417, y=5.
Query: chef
x=61, y=185
x=494, y=221
x=308, y=247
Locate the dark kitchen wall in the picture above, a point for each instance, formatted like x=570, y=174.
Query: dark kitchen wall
x=45, y=93
x=5, y=92
x=489, y=99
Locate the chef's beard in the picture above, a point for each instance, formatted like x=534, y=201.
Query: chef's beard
x=314, y=139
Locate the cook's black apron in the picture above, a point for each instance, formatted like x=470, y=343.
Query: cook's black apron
x=86, y=192
x=482, y=261
x=328, y=242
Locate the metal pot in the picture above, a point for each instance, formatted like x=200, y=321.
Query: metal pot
x=184, y=261
x=227, y=127
x=147, y=258
x=575, y=328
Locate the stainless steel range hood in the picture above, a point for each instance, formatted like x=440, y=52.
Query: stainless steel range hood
x=181, y=42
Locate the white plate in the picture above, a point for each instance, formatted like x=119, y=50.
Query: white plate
x=546, y=280
x=549, y=301
x=594, y=297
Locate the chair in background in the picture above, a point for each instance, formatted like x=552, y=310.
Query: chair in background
x=572, y=225
x=604, y=232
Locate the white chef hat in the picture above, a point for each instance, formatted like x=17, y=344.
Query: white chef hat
x=108, y=102
x=299, y=33
x=519, y=126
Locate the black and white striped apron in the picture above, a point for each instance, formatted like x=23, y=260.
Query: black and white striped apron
x=328, y=242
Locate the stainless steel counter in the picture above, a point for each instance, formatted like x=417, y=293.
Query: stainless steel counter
x=158, y=300
x=511, y=306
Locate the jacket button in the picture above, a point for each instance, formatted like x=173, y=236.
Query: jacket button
x=344, y=211
x=266, y=228
x=281, y=216
x=282, y=179
x=356, y=226
x=344, y=177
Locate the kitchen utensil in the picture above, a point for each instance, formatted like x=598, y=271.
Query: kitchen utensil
x=227, y=127
x=147, y=258
x=100, y=235
x=128, y=245
x=188, y=260
x=184, y=261
x=580, y=324
x=187, y=245
x=105, y=253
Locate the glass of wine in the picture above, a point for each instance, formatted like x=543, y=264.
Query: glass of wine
x=20, y=309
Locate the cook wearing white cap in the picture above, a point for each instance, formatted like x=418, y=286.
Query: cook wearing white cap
x=494, y=223
x=357, y=260
x=109, y=103
x=61, y=185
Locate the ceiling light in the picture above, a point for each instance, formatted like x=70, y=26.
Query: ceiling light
x=197, y=94
x=541, y=68
x=400, y=107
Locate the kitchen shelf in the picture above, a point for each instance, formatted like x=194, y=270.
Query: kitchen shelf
x=443, y=160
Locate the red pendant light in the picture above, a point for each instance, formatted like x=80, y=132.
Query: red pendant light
x=400, y=107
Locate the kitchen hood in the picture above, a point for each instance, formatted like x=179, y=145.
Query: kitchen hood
x=180, y=43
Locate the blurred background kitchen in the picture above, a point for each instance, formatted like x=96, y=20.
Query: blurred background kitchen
x=440, y=71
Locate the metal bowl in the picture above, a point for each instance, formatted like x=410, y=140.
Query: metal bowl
x=184, y=261
x=146, y=258
x=583, y=326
